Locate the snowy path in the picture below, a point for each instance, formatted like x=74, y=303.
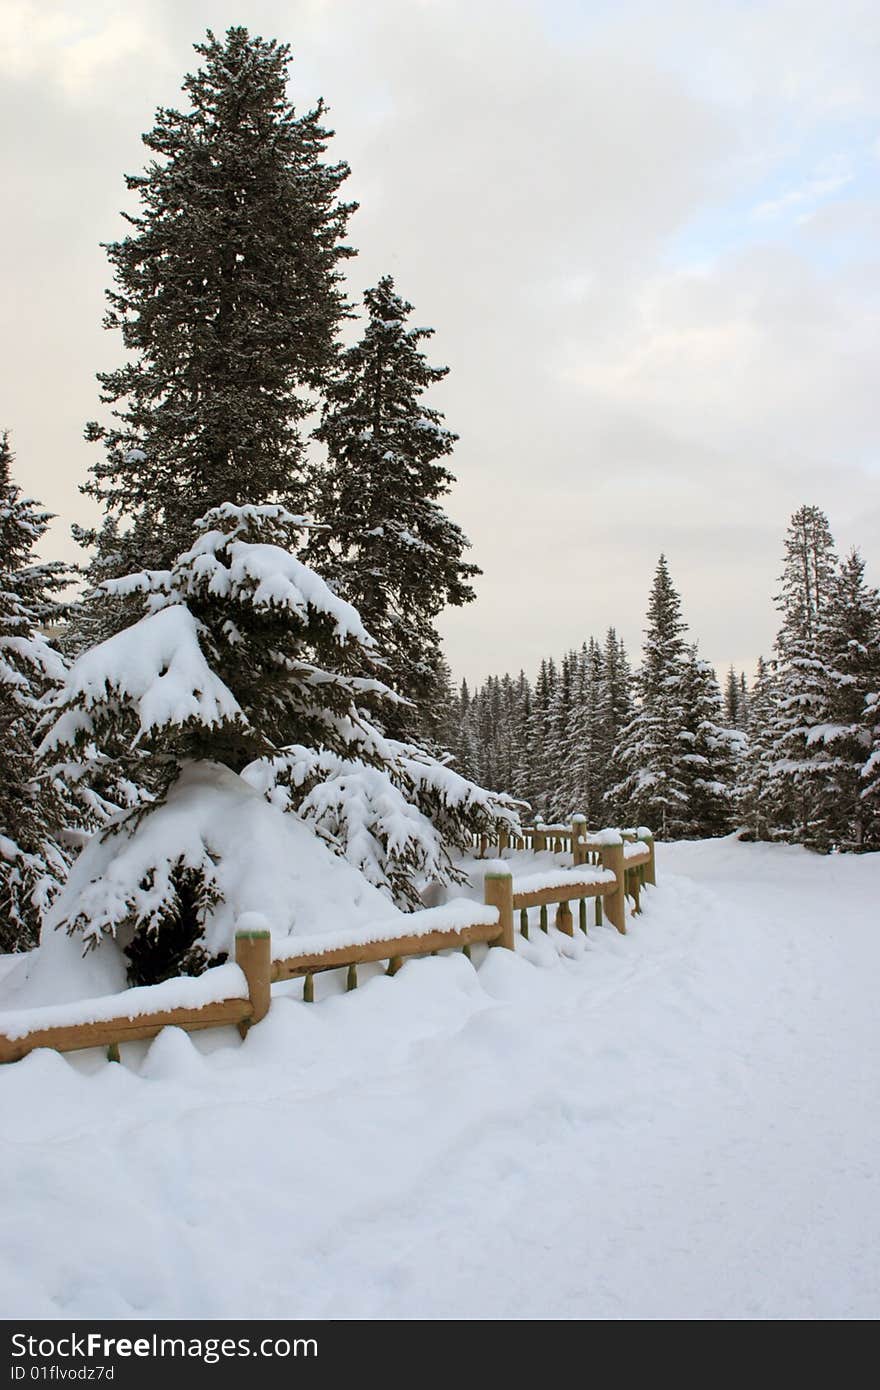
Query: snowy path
x=681, y=1123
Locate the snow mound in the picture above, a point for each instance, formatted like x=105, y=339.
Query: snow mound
x=261, y=860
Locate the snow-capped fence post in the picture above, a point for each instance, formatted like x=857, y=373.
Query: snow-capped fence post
x=253, y=955
x=498, y=892
x=539, y=839
x=615, y=903
x=503, y=841
x=650, y=868
x=578, y=829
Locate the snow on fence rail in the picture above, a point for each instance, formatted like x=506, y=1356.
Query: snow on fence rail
x=241, y=993
x=586, y=848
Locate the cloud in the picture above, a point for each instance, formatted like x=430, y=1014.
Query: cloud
x=74, y=50
x=529, y=173
x=812, y=192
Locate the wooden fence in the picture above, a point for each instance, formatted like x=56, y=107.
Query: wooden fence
x=613, y=867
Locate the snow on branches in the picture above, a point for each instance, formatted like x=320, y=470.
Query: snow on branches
x=32, y=863
x=395, y=820
x=242, y=647
x=152, y=676
x=245, y=658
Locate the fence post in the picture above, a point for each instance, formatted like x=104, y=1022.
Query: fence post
x=615, y=903
x=539, y=839
x=503, y=841
x=564, y=921
x=635, y=883
x=578, y=828
x=253, y=954
x=651, y=867
x=498, y=892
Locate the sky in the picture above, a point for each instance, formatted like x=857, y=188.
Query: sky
x=646, y=236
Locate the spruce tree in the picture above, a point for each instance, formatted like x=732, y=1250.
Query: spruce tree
x=592, y=738
x=577, y=769
x=524, y=784
x=616, y=712
x=242, y=649
x=227, y=297
x=713, y=749
x=543, y=762
x=870, y=793
x=246, y=658
x=732, y=700
x=467, y=748
x=755, y=777
x=798, y=767
x=32, y=863
x=441, y=714
x=744, y=709
x=655, y=784
x=508, y=750
x=488, y=725
x=849, y=641
x=388, y=546
x=564, y=737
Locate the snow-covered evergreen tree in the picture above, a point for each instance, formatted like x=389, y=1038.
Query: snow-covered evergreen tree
x=32, y=811
x=616, y=712
x=593, y=734
x=466, y=748
x=871, y=770
x=543, y=752
x=743, y=719
x=655, y=785
x=755, y=779
x=551, y=746
x=576, y=772
x=389, y=546
x=524, y=784
x=242, y=648
x=732, y=706
x=440, y=715
x=564, y=739
x=849, y=643
x=246, y=658
x=798, y=767
x=713, y=751
x=508, y=739
x=227, y=297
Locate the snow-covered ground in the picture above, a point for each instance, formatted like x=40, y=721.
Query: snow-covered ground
x=682, y=1123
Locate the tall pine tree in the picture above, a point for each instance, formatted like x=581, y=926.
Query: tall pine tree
x=32, y=864
x=227, y=297
x=733, y=712
x=798, y=765
x=388, y=546
x=655, y=785
x=849, y=642
x=713, y=750
x=616, y=712
x=755, y=779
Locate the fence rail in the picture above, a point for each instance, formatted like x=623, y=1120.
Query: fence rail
x=612, y=865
